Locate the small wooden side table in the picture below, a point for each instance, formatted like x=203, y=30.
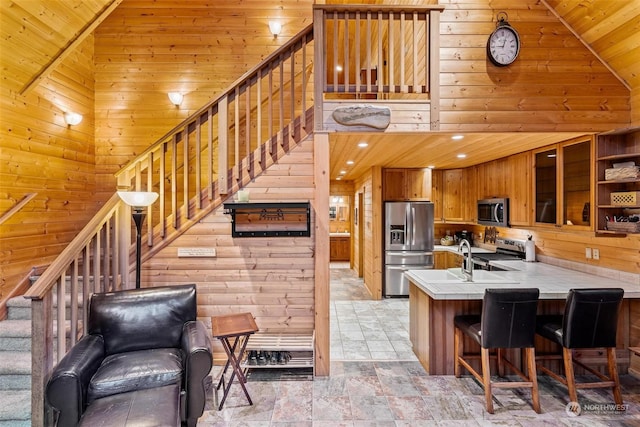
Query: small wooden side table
x=239, y=327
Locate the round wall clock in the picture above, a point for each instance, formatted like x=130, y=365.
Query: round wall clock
x=503, y=45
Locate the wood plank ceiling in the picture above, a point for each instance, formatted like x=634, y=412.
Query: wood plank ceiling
x=36, y=34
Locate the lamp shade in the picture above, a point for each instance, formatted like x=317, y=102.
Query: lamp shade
x=275, y=27
x=175, y=97
x=72, y=119
x=138, y=199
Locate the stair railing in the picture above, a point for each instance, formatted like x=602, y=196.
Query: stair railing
x=264, y=114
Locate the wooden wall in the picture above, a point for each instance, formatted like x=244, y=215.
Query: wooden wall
x=555, y=84
x=147, y=48
x=40, y=154
x=271, y=277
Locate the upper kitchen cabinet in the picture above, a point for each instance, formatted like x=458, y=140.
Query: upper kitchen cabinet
x=406, y=184
x=618, y=182
x=496, y=179
x=563, y=177
x=454, y=194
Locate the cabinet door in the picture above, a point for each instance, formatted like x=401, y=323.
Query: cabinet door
x=439, y=260
x=454, y=260
x=418, y=184
x=453, y=195
x=437, y=187
x=393, y=184
x=519, y=189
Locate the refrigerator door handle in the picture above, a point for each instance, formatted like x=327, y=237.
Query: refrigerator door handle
x=413, y=227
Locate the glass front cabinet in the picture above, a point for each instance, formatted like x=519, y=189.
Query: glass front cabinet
x=563, y=177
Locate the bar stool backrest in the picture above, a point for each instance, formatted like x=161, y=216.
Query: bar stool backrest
x=509, y=317
x=591, y=317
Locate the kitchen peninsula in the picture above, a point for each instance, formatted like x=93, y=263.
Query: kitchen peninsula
x=434, y=301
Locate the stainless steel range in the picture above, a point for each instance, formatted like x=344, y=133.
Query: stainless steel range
x=506, y=250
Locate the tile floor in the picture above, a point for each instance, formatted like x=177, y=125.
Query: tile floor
x=376, y=380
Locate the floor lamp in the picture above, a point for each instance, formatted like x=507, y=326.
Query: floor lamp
x=138, y=200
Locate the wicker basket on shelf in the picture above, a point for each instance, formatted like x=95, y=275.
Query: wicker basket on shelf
x=624, y=227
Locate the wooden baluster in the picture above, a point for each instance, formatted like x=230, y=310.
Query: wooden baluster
x=236, y=127
x=391, y=60
x=185, y=171
x=403, y=88
x=247, y=123
x=174, y=180
x=223, y=145
x=292, y=90
x=163, y=192
x=335, y=52
x=368, y=63
x=416, y=87
x=210, y=157
x=357, y=54
x=198, y=155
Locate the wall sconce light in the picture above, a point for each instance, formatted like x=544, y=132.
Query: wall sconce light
x=138, y=200
x=72, y=119
x=176, y=98
x=275, y=28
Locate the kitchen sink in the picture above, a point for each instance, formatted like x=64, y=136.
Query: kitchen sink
x=455, y=275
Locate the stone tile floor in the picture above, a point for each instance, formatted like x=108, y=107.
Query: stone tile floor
x=376, y=380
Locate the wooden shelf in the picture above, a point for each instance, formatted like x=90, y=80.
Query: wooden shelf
x=301, y=348
x=610, y=149
x=269, y=219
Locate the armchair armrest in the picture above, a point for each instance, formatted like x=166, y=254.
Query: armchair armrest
x=67, y=387
x=196, y=345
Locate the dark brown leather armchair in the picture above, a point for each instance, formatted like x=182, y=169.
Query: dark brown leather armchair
x=142, y=339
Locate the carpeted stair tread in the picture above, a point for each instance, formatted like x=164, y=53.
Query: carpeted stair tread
x=15, y=407
x=15, y=363
x=15, y=328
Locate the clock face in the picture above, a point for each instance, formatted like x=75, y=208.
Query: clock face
x=503, y=46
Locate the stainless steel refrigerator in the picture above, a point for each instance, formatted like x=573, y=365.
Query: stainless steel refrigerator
x=408, y=243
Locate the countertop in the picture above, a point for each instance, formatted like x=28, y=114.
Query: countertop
x=454, y=248
x=553, y=282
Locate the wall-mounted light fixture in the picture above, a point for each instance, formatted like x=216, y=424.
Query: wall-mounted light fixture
x=176, y=98
x=138, y=200
x=72, y=119
x=275, y=27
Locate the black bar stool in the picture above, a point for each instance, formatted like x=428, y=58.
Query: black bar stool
x=508, y=320
x=590, y=320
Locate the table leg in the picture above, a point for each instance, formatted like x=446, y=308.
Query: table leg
x=235, y=364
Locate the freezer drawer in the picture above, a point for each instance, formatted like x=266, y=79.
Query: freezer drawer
x=408, y=258
x=395, y=283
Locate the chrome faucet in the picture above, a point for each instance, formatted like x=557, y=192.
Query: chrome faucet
x=467, y=261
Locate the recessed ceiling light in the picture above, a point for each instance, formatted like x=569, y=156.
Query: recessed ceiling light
x=338, y=178
x=462, y=156
x=350, y=162
x=363, y=144
x=343, y=172
x=431, y=167
x=457, y=137
x=338, y=68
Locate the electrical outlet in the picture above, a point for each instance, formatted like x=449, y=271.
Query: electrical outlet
x=596, y=253
x=587, y=253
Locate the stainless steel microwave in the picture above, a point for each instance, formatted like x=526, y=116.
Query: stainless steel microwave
x=494, y=212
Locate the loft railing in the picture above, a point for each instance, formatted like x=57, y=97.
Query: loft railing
x=210, y=155
x=388, y=50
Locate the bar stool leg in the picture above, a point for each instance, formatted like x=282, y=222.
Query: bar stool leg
x=500, y=356
x=613, y=374
x=533, y=377
x=486, y=378
x=457, y=351
x=569, y=374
